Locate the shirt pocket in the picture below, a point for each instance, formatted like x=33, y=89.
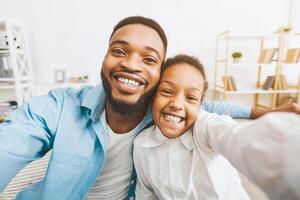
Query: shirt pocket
x=64, y=173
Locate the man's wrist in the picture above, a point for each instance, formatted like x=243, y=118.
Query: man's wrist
x=258, y=112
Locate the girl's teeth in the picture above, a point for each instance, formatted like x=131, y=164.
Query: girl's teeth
x=172, y=118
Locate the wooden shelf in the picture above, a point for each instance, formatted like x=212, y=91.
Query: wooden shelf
x=4, y=51
x=13, y=80
x=18, y=60
x=224, y=66
x=245, y=64
x=255, y=64
x=9, y=87
x=258, y=91
x=253, y=37
x=7, y=51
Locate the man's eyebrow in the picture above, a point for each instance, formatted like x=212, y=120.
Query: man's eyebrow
x=119, y=42
x=152, y=49
x=126, y=43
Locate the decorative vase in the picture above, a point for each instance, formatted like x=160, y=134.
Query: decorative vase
x=236, y=60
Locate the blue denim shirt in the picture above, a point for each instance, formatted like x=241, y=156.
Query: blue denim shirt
x=68, y=122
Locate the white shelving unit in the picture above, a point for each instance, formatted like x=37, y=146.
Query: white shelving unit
x=17, y=60
x=225, y=67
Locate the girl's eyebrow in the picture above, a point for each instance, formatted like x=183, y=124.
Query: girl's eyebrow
x=168, y=82
x=171, y=83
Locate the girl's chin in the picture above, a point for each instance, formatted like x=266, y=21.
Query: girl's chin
x=171, y=135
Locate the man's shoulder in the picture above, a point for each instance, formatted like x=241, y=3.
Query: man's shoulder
x=70, y=95
x=70, y=92
x=206, y=117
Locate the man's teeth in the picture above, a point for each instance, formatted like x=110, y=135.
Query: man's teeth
x=172, y=118
x=128, y=81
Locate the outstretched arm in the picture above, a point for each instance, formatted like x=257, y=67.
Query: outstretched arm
x=237, y=111
x=225, y=108
x=27, y=135
x=266, y=150
x=258, y=112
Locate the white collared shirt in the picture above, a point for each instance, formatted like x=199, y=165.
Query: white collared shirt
x=185, y=167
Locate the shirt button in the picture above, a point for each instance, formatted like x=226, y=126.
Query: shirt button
x=132, y=182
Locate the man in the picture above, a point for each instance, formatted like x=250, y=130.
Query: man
x=90, y=130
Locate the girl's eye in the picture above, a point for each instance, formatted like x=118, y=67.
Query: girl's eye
x=118, y=52
x=166, y=92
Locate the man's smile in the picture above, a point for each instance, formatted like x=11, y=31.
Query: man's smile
x=129, y=83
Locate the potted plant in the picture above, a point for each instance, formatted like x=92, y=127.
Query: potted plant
x=236, y=56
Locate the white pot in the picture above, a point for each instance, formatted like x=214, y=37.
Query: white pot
x=236, y=60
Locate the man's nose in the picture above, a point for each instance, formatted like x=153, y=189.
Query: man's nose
x=132, y=63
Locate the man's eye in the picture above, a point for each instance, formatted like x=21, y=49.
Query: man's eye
x=192, y=98
x=118, y=52
x=150, y=60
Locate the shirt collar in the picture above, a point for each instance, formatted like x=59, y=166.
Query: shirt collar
x=187, y=139
x=94, y=100
x=157, y=138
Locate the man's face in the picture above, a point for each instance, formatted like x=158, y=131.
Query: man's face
x=132, y=64
x=177, y=100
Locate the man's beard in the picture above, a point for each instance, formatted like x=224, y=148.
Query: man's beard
x=123, y=107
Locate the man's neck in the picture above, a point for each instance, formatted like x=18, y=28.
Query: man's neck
x=123, y=123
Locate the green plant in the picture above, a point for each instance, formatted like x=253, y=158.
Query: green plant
x=284, y=29
x=287, y=29
x=236, y=54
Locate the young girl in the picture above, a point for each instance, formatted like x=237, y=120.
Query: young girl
x=173, y=158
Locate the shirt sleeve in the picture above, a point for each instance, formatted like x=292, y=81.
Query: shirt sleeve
x=225, y=108
x=27, y=135
x=143, y=187
x=264, y=149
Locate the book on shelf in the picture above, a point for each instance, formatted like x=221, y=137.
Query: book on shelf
x=283, y=84
x=269, y=83
x=5, y=83
x=231, y=84
x=266, y=55
x=292, y=55
x=5, y=71
x=226, y=83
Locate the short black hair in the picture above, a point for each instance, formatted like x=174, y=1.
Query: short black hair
x=190, y=60
x=144, y=21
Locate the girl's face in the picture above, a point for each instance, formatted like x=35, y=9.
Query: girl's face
x=177, y=100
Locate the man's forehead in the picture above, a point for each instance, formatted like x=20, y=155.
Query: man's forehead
x=140, y=33
x=132, y=29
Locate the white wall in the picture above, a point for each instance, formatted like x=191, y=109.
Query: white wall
x=73, y=34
